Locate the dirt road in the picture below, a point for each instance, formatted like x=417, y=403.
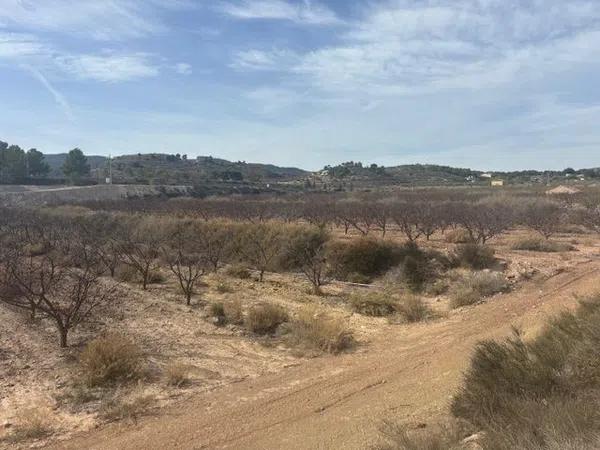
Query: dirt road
x=408, y=372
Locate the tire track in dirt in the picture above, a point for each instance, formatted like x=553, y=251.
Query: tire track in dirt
x=407, y=372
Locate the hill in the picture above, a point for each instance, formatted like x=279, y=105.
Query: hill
x=158, y=168
x=56, y=161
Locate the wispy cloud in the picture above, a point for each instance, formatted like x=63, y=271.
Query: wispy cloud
x=183, y=68
x=14, y=45
x=104, y=20
x=408, y=47
x=264, y=60
x=60, y=100
x=306, y=12
x=27, y=50
x=108, y=67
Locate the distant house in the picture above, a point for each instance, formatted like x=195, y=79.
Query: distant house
x=497, y=183
x=563, y=190
x=486, y=175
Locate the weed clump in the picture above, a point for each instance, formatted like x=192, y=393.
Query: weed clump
x=538, y=244
x=319, y=331
x=475, y=286
x=375, y=304
x=537, y=394
x=474, y=256
x=111, y=359
x=265, y=318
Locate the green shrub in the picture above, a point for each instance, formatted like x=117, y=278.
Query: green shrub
x=474, y=256
x=319, y=331
x=538, y=244
x=109, y=359
x=366, y=257
x=475, y=286
x=374, y=304
x=538, y=394
x=265, y=318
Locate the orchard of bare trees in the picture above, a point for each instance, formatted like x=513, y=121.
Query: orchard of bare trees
x=63, y=264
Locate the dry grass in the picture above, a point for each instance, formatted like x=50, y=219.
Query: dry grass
x=538, y=244
x=316, y=330
x=398, y=437
x=238, y=271
x=126, y=407
x=265, y=318
x=233, y=312
x=110, y=359
x=475, y=286
x=222, y=287
x=412, y=308
x=459, y=236
x=375, y=304
x=177, y=374
x=474, y=256
x=32, y=422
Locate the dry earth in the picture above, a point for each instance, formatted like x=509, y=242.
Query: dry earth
x=248, y=395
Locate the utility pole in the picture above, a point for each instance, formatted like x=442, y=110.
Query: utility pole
x=109, y=179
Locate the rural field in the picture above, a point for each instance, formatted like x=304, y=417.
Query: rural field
x=408, y=319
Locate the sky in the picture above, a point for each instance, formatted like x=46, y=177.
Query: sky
x=486, y=84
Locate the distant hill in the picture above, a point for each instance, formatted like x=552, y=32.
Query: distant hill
x=161, y=168
x=354, y=174
x=56, y=161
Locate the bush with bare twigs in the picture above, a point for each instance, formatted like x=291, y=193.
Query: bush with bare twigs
x=265, y=318
x=316, y=330
x=111, y=359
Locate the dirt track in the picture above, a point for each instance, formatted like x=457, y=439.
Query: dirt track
x=406, y=373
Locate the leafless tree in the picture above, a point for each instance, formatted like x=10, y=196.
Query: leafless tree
x=543, y=216
x=50, y=284
x=259, y=245
x=139, y=246
x=185, y=256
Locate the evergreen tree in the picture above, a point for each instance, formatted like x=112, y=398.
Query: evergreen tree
x=76, y=165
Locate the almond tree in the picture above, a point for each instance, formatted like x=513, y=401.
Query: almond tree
x=52, y=286
x=185, y=256
x=139, y=247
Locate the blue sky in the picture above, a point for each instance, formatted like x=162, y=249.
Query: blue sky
x=488, y=84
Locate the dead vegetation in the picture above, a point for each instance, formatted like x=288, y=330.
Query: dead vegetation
x=247, y=280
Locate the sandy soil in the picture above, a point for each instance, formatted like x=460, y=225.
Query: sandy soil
x=246, y=394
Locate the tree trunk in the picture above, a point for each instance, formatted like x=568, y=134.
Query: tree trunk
x=63, y=336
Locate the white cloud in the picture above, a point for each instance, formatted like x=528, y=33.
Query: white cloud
x=406, y=47
x=108, y=67
x=306, y=12
x=264, y=60
x=104, y=20
x=183, y=68
x=13, y=45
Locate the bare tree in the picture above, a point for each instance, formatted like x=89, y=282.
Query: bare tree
x=305, y=250
x=543, y=216
x=139, y=246
x=50, y=285
x=259, y=245
x=486, y=218
x=185, y=257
